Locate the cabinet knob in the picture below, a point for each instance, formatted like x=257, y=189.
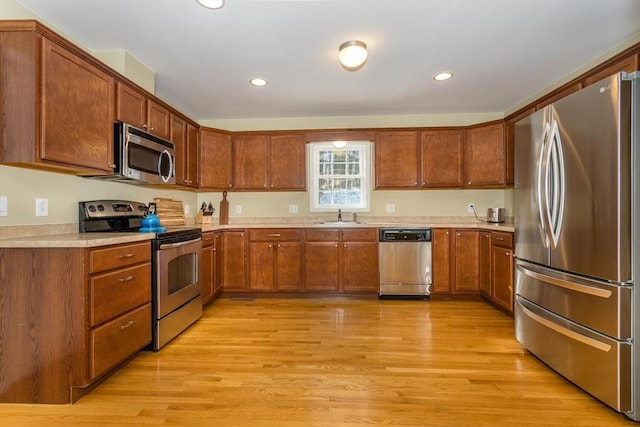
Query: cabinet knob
x=229, y=185
x=447, y=233
x=112, y=165
x=335, y=246
x=270, y=245
x=345, y=245
x=279, y=245
x=144, y=126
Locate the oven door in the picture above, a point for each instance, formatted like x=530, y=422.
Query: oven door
x=176, y=275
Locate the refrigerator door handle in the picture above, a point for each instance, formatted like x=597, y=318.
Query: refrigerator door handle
x=564, y=331
x=556, y=188
x=541, y=184
x=585, y=289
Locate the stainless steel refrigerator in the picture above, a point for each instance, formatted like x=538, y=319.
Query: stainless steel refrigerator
x=576, y=233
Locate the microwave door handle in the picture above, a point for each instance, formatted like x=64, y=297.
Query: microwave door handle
x=168, y=177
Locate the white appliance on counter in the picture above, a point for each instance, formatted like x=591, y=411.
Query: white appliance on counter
x=576, y=239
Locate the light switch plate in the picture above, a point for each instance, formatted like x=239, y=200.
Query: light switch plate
x=3, y=206
x=42, y=207
x=293, y=208
x=238, y=209
x=391, y=208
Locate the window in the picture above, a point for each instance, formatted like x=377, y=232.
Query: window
x=339, y=177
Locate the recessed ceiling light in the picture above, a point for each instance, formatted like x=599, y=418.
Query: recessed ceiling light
x=211, y=4
x=258, y=82
x=442, y=76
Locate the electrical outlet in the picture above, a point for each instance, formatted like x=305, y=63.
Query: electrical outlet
x=390, y=208
x=471, y=208
x=238, y=209
x=293, y=208
x=187, y=209
x=42, y=207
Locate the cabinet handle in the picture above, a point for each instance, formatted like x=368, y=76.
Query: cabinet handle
x=507, y=254
x=127, y=279
x=125, y=256
x=127, y=325
x=274, y=234
x=458, y=234
x=500, y=239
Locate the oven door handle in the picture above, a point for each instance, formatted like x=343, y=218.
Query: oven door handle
x=177, y=245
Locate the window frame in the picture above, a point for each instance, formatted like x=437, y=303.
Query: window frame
x=313, y=167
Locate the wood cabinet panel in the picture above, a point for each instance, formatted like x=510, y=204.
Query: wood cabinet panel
x=360, y=266
x=485, y=156
x=179, y=139
x=193, y=156
x=275, y=234
x=250, y=162
x=467, y=272
x=118, y=339
x=288, y=266
x=502, y=277
x=158, y=119
x=207, y=265
x=261, y=266
x=442, y=158
x=118, y=256
x=397, y=159
x=321, y=266
x=77, y=115
x=234, y=252
x=112, y=293
x=442, y=257
x=131, y=106
x=215, y=159
x=485, y=263
x=287, y=162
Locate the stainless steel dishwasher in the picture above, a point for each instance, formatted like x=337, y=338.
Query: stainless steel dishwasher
x=405, y=263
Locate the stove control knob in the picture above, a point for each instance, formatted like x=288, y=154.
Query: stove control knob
x=101, y=208
x=92, y=208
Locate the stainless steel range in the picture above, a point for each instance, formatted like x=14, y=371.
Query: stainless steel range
x=176, y=256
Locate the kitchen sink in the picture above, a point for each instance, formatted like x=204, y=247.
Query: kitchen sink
x=345, y=223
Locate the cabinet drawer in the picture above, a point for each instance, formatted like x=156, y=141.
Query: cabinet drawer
x=207, y=239
x=275, y=234
x=115, y=341
x=119, y=256
x=322, y=235
x=360, y=235
x=114, y=293
x=502, y=239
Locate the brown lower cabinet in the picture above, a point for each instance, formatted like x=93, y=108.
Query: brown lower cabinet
x=275, y=259
x=455, y=261
x=234, y=260
x=79, y=327
x=499, y=251
x=210, y=266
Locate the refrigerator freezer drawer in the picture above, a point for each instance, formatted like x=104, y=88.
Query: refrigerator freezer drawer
x=599, y=365
x=597, y=305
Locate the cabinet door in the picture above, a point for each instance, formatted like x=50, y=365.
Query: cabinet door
x=179, y=139
x=193, y=153
x=261, y=261
x=131, y=106
x=322, y=266
x=397, y=159
x=441, y=260
x=288, y=266
x=485, y=263
x=215, y=159
x=485, y=156
x=217, y=263
x=442, y=158
x=78, y=104
x=233, y=260
x=466, y=263
x=250, y=162
x=360, y=267
x=287, y=162
x=158, y=120
x=502, y=277
x=206, y=273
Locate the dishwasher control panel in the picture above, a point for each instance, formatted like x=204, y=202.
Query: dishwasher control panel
x=405, y=235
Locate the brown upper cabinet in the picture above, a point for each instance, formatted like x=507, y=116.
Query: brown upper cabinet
x=442, y=154
x=263, y=161
x=485, y=156
x=185, y=137
x=215, y=159
x=397, y=159
x=138, y=109
x=57, y=103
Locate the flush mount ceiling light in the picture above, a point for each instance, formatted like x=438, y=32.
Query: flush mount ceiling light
x=353, y=55
x=339, y=144
x=258, y=82
x=211, y=4
x=440, y=77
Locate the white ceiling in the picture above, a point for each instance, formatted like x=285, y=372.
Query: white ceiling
x=502, y=52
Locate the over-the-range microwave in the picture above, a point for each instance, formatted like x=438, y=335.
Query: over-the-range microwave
x=140, y=157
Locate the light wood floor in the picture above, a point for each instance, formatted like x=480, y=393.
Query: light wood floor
x=334, y=362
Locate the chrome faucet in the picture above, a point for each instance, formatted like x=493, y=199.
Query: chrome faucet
x=355, y=217
x=339, y=215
